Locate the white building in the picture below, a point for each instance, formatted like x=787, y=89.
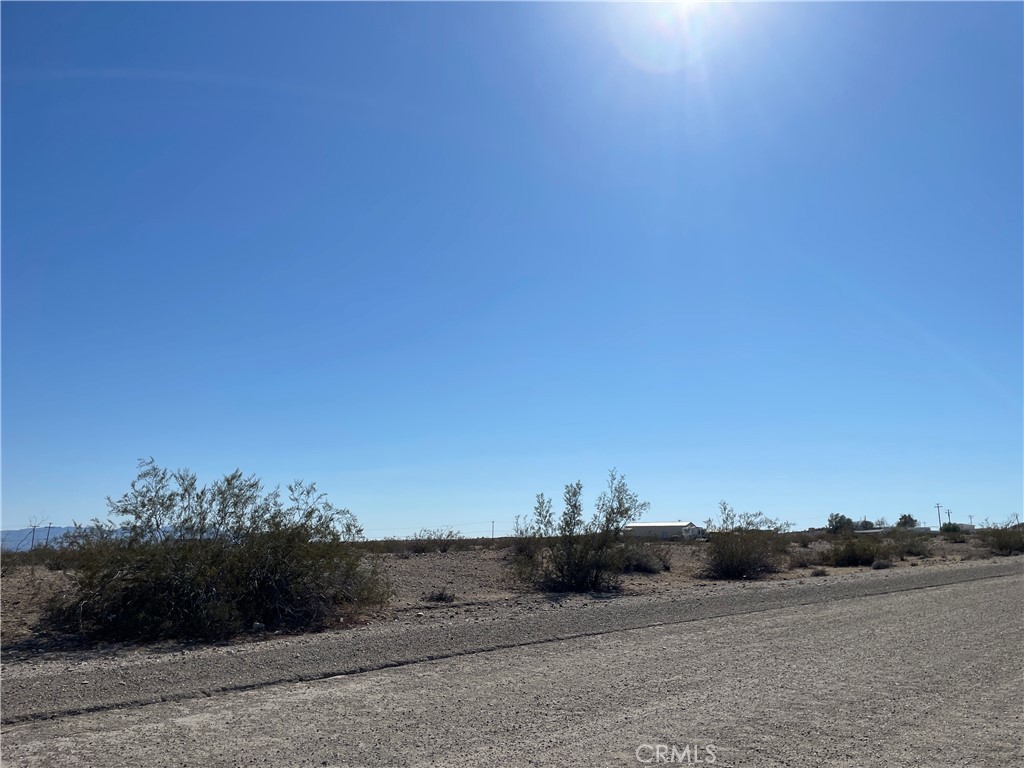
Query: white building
x=677, y=531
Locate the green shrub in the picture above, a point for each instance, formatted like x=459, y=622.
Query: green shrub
x=433, y=540
x=574, y=554
x=744, y=546
x=531, y=539
x=1004, y=540
x=952, y=533
x=903, y=544
x=837, y=523
x=851, y=551
x=206, y=563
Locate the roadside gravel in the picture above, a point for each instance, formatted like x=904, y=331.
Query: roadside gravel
x=923, y=669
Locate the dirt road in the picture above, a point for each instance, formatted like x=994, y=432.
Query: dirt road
x=920, y=668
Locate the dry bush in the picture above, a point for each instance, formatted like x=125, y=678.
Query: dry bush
x=1003, y=540
x=852, y=550
x=645, y=557
x=903, y=544
x=573, y=554
x=433, y=540
x=744, y=546
x=206, y=563
x=803, y=558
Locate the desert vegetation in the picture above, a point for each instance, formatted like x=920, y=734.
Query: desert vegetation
x=851, y=551
x=1006, y=539
x=177, y=560
x=746, y=545
x=575, y=554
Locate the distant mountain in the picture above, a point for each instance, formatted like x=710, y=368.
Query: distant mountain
x=20, y=539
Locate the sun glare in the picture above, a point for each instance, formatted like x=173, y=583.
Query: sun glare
x=661, y=37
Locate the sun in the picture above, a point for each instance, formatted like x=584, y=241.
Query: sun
x=661, y=37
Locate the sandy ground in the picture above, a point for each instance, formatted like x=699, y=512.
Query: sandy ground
x=909, y=666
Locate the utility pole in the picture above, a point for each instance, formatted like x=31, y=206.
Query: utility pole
x=48, y=527
x=492, y=529
x=33, y=544
x=949, y=515
x=938, y=510
x=971, y=519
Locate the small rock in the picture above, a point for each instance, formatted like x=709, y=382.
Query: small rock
x=258, y=626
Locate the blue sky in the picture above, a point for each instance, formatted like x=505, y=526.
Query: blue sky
x=439, y=258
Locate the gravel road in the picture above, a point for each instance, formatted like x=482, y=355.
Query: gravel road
x=920, y=666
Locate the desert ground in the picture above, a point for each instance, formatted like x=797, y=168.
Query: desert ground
x=919, y=664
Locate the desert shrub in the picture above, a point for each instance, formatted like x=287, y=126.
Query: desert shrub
x=880, y=565
x=906, y=521
x=528, y=547
x=9, y=561
x=744, y=546
x=819, y=572
x=205, y=563
x=1003, y=540
x=51, y=557
x=837, y=523
x=26, y=558
x=57, y=557
x=645, y=557
x=802, y=539
x=581, y=558
x=531, y=538
x=662, y=553
x=952, y=533
x=903, y=544
x=433, y=540
x=806, y=539
x=851, y=551
x=803, y=558
x=400, y=548
x=574, y=554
